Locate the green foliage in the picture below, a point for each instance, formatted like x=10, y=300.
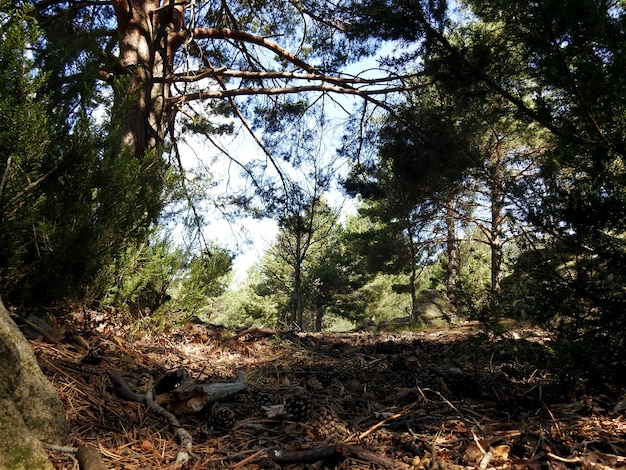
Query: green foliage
x=243, y=307
x=155, y=279
x=384, y=301
x=77, y=220
x=307, y=229
x=24, y=127
x=66, y=207
x=202, y=278
x=141, y=277
x=579, y=295
x=379, y=239
x=474, y=282
x=573, y=281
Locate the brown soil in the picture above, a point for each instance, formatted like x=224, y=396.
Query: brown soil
x=428, y=399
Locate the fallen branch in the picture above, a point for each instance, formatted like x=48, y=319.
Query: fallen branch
x=201, y=394
x=185, y=439
x=122, y=389
x=260, y=332
x=385, y=421
x=328, y=454
x=192, y=397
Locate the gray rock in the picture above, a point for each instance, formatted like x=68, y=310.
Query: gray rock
x=433, y=307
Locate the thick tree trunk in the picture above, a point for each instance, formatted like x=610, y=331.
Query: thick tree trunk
x=30, y=409
x=146, y=52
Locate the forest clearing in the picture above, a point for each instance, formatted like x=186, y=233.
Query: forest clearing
x=436, y=196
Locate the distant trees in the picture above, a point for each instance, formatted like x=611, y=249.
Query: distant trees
x=541, y=87
x=307, y=234
x=551, y=65
x=419, y=183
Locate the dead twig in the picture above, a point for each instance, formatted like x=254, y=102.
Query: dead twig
x=384, y=421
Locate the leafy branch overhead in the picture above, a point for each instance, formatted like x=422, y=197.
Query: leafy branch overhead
x=164, y=48
x=488, y=122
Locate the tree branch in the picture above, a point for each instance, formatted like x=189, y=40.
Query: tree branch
x=205, y=95
x=336, y=84
x=227, y=33
x=24, y=193
x=269, y=75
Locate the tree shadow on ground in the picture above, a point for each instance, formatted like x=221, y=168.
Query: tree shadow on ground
x=405, y=396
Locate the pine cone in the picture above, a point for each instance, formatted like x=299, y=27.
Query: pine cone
x=94, y=356
x=298, y=407
x=222, y=417
x=327, y=424
x=325, y=378
x=262, y=400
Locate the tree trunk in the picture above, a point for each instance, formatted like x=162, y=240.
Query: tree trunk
x=413, y=277
x=319, y=317
x=497, y=242
x=452, y=253
x=296, y=294
x=146, y=51
x=497, y=221
x=296, y=297
x=30, y=409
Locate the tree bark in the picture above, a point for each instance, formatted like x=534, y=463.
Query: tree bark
x=452, y=253
x=30, y=409
x=147, y=43
x=496, y=241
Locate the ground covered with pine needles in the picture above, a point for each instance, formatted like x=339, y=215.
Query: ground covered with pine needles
x=439, y=399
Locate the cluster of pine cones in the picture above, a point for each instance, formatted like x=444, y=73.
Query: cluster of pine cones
x=296, y=405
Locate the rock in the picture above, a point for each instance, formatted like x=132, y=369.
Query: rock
x=432, y=306
x=30, y=409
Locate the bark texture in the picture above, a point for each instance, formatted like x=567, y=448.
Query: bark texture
x=146, y=50
x=30, y=409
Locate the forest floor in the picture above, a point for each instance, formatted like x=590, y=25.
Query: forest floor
x=443, y=399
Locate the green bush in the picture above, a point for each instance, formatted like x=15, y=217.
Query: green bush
x=160, y=284
x=576, y=292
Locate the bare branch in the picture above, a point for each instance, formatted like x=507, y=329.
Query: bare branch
x=212, y=94
x=249, y=129
x=227, y=33
x=331, y=84
x=268, y=75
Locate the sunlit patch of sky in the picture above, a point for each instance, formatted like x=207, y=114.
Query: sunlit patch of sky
x=248, y=237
